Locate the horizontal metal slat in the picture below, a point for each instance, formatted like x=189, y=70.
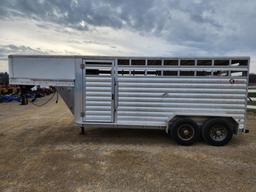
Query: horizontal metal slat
x=139, y=118
x=88, y=121
x=202, y=110
x=98, y=84
x=101, y=67
x=100, y=113
x=98, y=89
x=182, y=105
x=141, y=123
x=180, y=79
x=98, y=94
x=182, y=95
x=181, y=90
x=98, y=103
x=97, y=117
x=98, y=79
x=98, y=108
x=171, y=113
x=178, y=100
x=92, y=98
x=143, y=113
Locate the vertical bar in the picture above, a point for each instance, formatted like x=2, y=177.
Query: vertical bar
x=195, y=72
x=178, y=72
x=247, y=84
x=78, y=108
x=146, y=68
x=162, y=64
x=130, y=63
x=212, y=67
x=113, y=71
x=229, y=72
x=83, y=90
x=116, y=97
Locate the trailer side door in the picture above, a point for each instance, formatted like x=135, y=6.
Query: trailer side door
x=98, y=91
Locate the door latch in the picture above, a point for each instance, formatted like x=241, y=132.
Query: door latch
x=82, y=66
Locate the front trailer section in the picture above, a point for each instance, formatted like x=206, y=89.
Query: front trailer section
x=143, y=92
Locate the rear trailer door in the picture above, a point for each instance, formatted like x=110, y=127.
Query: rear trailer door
x=98, y=91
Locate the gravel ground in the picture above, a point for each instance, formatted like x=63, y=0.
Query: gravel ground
x=41, y=150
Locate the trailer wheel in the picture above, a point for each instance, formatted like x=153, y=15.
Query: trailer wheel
x=184, y=131
x=217, y=132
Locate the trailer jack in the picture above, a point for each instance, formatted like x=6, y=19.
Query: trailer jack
x=82, y=131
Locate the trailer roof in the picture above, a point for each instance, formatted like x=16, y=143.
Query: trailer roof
x=128, y=57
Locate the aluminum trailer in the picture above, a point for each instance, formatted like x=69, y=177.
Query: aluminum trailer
x=186, y=97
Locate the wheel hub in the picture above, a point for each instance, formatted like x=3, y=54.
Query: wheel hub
x=218, y=133
x=186, y=132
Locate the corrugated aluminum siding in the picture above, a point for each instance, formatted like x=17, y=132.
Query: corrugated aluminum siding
x=98, y=99
x=155, y=100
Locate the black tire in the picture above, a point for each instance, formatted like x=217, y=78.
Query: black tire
x=184, y=131
x=217, y=131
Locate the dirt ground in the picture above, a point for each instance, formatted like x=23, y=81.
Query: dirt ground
x=41, y=150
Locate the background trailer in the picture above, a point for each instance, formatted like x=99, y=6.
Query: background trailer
x=187, y=97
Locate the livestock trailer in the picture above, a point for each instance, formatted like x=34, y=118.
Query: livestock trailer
x=186, y=97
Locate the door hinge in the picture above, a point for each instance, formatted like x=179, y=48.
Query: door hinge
x=82, y=66
x=82, y=114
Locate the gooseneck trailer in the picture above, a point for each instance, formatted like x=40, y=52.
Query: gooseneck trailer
x=186, y=97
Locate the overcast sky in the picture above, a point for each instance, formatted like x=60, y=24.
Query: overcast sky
x=128, y=27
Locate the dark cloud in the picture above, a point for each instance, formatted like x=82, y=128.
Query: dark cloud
x=214, y=26
x=144, y=15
